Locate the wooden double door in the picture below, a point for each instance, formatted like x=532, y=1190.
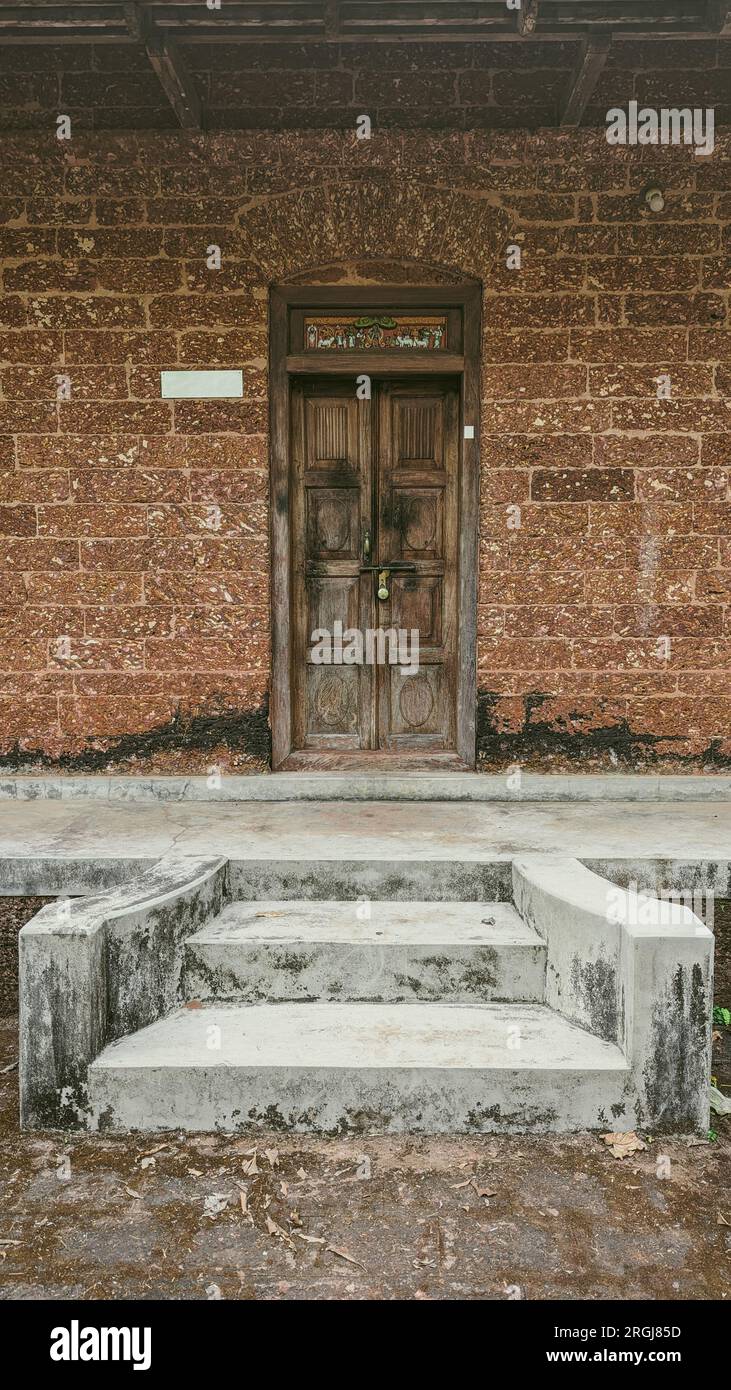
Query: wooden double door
x=374, y=526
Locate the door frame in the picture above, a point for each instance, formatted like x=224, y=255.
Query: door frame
x=284, y=365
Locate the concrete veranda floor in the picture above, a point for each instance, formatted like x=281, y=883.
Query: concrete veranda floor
x=44, y=829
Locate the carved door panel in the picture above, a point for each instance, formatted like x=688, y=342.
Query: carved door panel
x=331, y=515
x=374, y=481
x=417, y=488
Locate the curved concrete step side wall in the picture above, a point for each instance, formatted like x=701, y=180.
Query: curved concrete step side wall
x=96, y=968
x=635, y=970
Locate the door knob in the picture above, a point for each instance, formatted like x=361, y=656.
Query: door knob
x=383, y=585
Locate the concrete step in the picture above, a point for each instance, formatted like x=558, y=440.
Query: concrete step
x=422, y=869
x=300, y=950
x=360, y=1068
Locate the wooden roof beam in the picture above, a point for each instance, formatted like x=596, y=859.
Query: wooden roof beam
x=379, y=21
x=166, y=59
x=528, y=17
x=332, y=19
x=593, y=56
x=138, y=22
x=176, y=80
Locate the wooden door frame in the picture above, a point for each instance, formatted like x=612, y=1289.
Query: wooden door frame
x=283, y=366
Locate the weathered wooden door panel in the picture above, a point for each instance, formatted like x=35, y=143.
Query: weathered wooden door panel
x=418, y=474
x=331, y=512
x=374, y=481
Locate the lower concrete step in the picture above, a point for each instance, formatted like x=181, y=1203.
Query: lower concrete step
x=461, y=952
x=363, y=1068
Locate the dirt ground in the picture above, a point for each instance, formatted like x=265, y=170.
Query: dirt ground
x=293, y=1217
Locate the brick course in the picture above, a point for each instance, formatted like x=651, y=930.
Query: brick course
x=136, y=637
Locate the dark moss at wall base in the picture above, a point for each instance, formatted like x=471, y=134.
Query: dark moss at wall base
x=544, y=744
x=244, y=734
x=241, y=741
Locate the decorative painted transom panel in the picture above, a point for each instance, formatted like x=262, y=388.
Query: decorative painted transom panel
x=368, y=332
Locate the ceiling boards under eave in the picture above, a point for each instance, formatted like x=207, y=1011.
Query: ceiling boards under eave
x=160, y=24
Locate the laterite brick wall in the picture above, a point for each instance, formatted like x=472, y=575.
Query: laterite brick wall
x=134, y=618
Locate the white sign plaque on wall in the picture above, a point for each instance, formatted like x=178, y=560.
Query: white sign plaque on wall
x=201, y=385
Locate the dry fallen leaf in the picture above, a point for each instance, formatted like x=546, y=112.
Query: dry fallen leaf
x=215, y=1203
x=484, y=1191
x=194, y=1004
x=251, y=1166
x=621, y=1145
x=301, y=1173
x=311, y=1240
x=343, y=1255
x=275, y=1230
x=721, y=1220
x=273, y=1157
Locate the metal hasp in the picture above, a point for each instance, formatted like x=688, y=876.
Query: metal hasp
x=383, y=572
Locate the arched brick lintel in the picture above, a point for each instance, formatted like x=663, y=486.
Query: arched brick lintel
x=402, y=221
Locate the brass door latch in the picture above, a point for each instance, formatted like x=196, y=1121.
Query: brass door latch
x=384, y=572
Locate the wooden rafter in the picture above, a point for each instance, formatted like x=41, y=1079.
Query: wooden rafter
x=528, y=17
x=137, y=20
x=167, y=60
x=332, y=19
x=176, y=80
x=584, y=78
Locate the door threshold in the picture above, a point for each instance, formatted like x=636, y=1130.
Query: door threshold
x=375, y=762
